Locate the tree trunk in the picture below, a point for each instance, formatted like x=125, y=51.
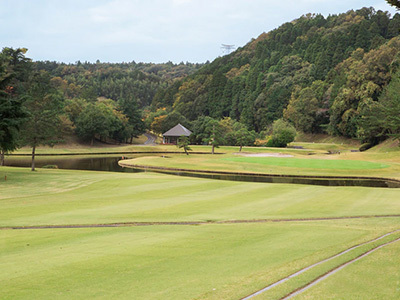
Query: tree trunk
x=91, y=141
x=240, y=149
x=212, y=149
x=131, y=140
x=2, y=158
x=33, y=158
x=186, y=151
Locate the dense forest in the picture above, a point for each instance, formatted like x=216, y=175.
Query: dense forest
x=115, y=80
x=338, y=75
x=43, y=102
x=321, y=74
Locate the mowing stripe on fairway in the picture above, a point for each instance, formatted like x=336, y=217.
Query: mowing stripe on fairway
x=189, y=223
x=298, y=291
x=335, y=270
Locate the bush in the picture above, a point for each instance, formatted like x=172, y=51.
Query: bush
x=283, y=133
x=275, y=142
x=365, y=146
x=50, y=167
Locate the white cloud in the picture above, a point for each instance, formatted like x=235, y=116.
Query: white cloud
x=151, y=30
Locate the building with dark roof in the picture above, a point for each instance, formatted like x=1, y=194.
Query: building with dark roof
x=172, y=135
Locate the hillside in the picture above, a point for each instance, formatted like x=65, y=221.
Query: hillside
x=322, y=74
x=115, y=80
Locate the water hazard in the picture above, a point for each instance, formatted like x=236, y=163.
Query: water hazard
x=110, y=164
x=92, y=163
x=382, y=183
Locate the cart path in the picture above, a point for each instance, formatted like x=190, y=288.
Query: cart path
x=335, y=270
x=330, y=272
x=151, y=139
x=189, y=223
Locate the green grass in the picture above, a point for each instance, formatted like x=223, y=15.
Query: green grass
x=207, y=262
x=374, y=277
x=69, y=197
x=349, y=164
x=310, y=163
x=212, y=261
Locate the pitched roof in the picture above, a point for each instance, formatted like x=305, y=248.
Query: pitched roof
x=178, y=130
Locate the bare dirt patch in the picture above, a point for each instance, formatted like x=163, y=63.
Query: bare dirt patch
x=246, y=154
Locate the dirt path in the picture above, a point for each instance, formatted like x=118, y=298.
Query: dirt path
x=330, y=272
x=189, y=223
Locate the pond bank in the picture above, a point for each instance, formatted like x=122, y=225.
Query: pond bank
x=273, y=178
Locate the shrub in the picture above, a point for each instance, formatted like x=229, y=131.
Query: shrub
x=365, y=146
x=283, y=133
x=50, y=167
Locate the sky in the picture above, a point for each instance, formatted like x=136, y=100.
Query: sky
x=149, y=30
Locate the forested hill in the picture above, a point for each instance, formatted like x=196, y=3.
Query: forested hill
x=139, y=81
x=322, y=74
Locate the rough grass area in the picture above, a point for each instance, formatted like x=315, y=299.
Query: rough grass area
x=340, y=141
x=209, y=261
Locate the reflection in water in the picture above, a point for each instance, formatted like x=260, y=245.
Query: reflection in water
x=293, y=180
x=110, y=163
x=82, y=163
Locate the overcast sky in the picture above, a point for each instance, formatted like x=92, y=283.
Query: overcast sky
x=149, y=30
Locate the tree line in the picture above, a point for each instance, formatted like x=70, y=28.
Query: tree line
x=324, y=75
x=338, y=75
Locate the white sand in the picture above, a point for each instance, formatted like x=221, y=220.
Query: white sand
x=263, y=154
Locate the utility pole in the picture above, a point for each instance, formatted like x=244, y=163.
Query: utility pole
x=227, y=49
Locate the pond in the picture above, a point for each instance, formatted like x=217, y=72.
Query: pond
x=110, y=163
x=292, y=180
x=92, y=163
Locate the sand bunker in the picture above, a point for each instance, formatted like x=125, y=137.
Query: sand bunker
x=263, y=154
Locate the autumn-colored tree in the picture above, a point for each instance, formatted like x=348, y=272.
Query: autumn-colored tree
x=364, y=75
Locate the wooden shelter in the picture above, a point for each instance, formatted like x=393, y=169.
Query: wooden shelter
x=172, y=135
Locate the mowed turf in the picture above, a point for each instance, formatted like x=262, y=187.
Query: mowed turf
x=165, y=262
x=211, y=261
x=50, y=197
x=310, y=163
x=348, y=164
x=376, y=276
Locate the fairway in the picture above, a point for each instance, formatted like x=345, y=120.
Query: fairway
x=378, y=270
x=248, y=235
